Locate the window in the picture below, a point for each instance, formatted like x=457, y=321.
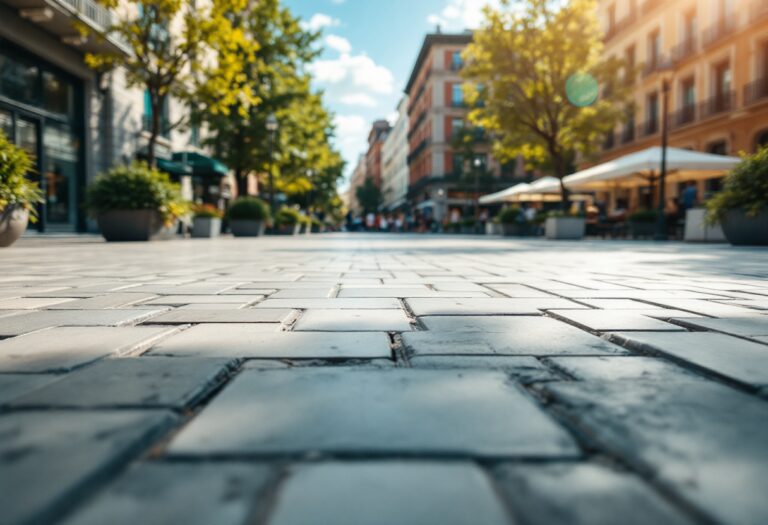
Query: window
x=458, y=164
x=457, y=95
x=722, y=86
x=164, y=118
x=654, y=49
x=652, y=113
x=58, y=94
x=689, y=26
x=19, y=81
x=761, y=140
x=689, y=92
x=718, y=148
x=457, y=125
x=629, y=58
x=611, y=18
x=456, y=61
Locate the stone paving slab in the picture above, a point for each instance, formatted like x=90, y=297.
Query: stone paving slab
x=100, y=302
x=607, y=320
x=66, y=348
x=489, y=306
x=190, y=494
x=251, y=315
x=159, y=382
x=345, y=411
x=384, y=493
x=333, y=304
x=38, y=320
x=731, y=357
x=710, y=308
x=178, y=300
x=49, y=460
x=582, y=494
x=13, y=386
x=523, y=369
x=703, y=442
x=406, y=293
x=621, y=368
x=242, y=341
x=303, y=293
x=741, y=326
x=353, y=321
x=28, y=303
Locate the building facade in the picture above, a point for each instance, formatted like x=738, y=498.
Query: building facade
x=710, y=59
x=376, y=138
x=74, y=122
x=359, y=175
x=436, y=112
x=394, y=158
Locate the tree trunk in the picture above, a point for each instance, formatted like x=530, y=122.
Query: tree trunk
x=242, y=182
x=154, y=130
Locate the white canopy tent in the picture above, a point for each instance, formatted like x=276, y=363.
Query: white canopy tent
x=543, y=189
x=505, y=195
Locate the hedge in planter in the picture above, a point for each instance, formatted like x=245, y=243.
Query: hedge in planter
x=287, y=222
x=135, y=202
x=513, y=222
x=642, y=223
x=248, y=217
x=206, y=221
x=564, y=226
x=18, y=195
x=742, y=206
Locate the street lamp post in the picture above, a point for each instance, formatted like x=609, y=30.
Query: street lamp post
x=272, y=126
x=661, y=219
x=477, y=163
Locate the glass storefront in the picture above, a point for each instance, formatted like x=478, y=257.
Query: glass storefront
x=41, y=111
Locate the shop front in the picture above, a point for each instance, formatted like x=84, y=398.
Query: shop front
x=41, y=110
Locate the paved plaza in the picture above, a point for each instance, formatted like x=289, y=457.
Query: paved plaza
x=382, y=379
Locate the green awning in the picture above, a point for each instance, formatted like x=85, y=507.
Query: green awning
x=174, y=168
x=200, y=164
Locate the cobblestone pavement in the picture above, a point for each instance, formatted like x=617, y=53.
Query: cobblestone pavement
x=359, y=379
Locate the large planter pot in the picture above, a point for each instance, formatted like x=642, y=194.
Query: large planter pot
x=130, y=225
x=742, y=230
x=286, y=229
x=493, y=228
x=517, y=230
x=247, y=228
x=206, y=227
x=565, y=228
x=642, y=229
x=13, y=222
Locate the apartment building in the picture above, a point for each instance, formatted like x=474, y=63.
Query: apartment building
x=75, y=122
x=376, y=137
x=359, y=175
x=394, y=159
x=436, y=110
x=709, y=57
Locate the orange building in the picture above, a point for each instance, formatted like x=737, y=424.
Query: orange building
x=710, y=58
x=376, y=138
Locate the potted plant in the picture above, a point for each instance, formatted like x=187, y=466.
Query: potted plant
x=287, y=222
x=135, y=203
x=18, y=194
x=565, y=226
x=317, y=225
x=642, y=223
x=306, y=224
x=248, y=217
x=206, y=221
x=741, y=207
x=513, y=222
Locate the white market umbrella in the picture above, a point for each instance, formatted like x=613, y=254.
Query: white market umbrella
x=507, y=195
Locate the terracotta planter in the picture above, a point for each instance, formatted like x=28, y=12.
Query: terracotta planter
x=247, y=228
x=741, y=230
x=565, y=228
x=206, y=227
x=130, y=225
x=13, y=223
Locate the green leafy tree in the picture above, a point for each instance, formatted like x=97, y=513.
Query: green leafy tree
x=193, y=52
x=369, y=196
x=536, y=70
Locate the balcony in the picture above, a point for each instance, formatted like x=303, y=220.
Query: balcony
x=59, y=18
x=718, y=104
x=684, y=50
x=628, y=133
x=618, y=27
x=756, y=92
x=655, y=65
x=723, y=28
x=682, y=117
x=648, y=128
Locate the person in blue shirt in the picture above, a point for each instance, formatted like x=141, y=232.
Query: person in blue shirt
x=690, y=196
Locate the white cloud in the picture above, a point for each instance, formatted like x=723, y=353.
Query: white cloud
x=359, y=99
x=338, y=43
x=319, y=21
x=351, y=138
x=459, y=15
x=358, y=71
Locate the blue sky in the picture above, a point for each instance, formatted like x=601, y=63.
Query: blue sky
x=369, y=49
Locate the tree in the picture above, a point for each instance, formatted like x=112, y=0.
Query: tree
x=369, y=196
x=201, y=61
x=536, y=70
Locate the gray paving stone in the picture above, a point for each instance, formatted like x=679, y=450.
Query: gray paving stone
x=99, y=302
x=724, y=355
x=640, y=295
x=743, y=326
x=185, y=289
x=459, y=287
x=608, y=320
x=303, y=293
x=538, y=325
x=488, y=306
x=17, y=385
x=49, y=460
x=698, y=306
x=33, y=321
x=406, y=292
x=353, y=321
x=621, y=368
x=173, y=493
x=582, y=494
x=523, y=369
x=141, y=382
x=704, y=442
x=343, y=410
x=243, y=342
x=551, y=338
x=520, y=291
x=213, y=306
x=619, y=304
x=377, y=493
x=65, y=348
x=249, y=315
x=285, y=285
x=175, y=300
x=333, y=304
x=30, y=303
